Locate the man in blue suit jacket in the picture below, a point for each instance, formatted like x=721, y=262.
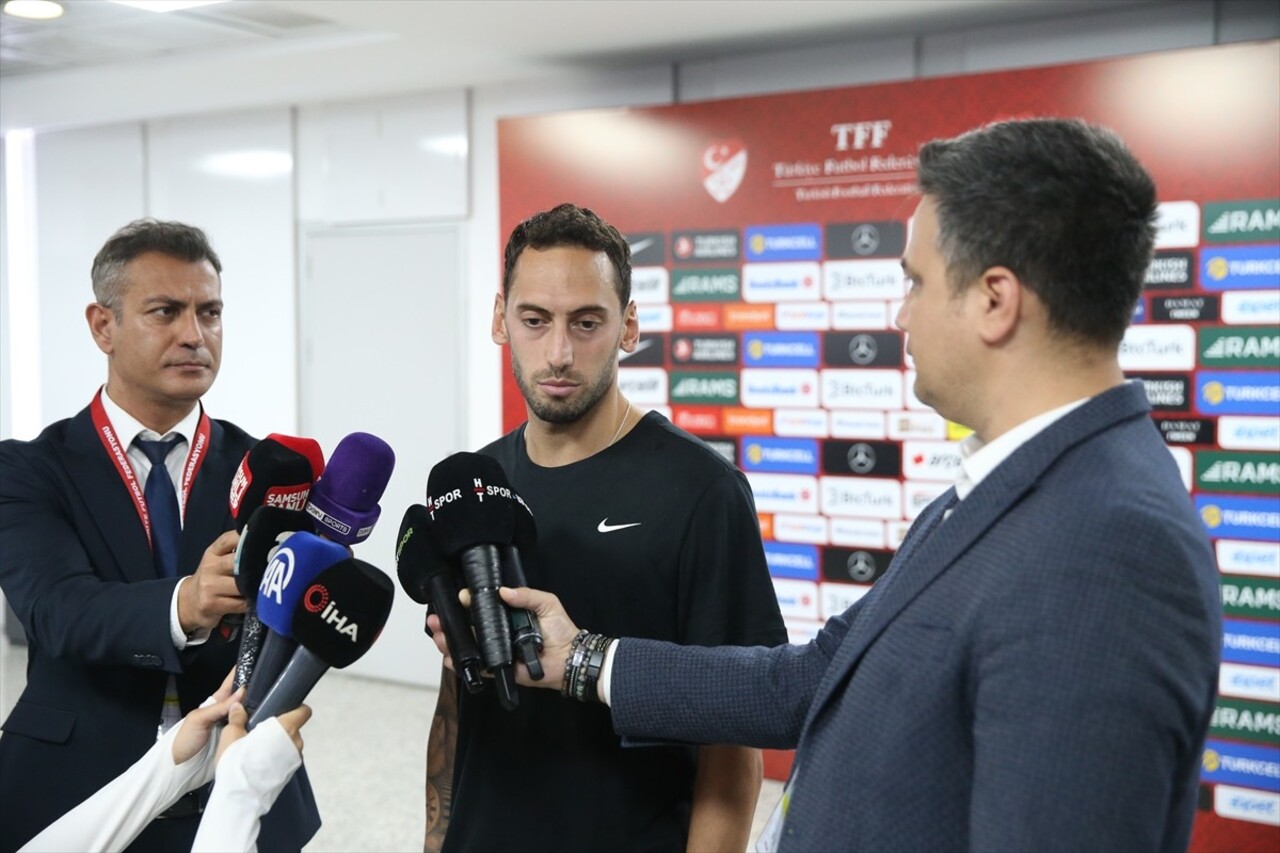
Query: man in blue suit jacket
x=117, y=647
x=1037, y=669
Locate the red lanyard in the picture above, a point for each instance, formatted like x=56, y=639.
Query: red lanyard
x=195, y=458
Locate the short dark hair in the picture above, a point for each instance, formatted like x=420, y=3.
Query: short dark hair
x=1061, y=203
x=569, y=225
x=175, y=239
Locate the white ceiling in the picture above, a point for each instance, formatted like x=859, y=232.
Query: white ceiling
x=470, y=42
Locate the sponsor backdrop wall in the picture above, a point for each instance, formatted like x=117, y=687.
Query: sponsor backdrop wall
x=766, y=234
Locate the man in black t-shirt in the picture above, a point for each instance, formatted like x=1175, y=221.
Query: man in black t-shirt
x=640, y=525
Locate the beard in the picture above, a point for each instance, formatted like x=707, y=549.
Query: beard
x=554, y=411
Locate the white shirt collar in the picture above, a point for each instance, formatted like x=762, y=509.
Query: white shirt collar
x=128, y=427
x=978, y=459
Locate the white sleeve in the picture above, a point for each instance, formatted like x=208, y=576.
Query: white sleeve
x=113, y=817
x=251, y=774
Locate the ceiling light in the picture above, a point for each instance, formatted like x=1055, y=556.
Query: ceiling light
x=38, y=10
x=253, y=164
x=166, y=5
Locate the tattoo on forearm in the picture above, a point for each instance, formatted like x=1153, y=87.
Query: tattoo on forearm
x=440, y=751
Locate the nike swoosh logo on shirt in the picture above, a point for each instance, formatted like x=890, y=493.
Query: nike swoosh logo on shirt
x=605, y=527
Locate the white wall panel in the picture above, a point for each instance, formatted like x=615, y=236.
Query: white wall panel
x=384, y=160
x=88, y=184
x=232, y=175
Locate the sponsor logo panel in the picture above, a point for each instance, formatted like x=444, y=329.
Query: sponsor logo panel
x=811, y=529
x=726, y=447
x=1240, y=346
x=1166, y=392
x=766, y=525
x=860, y=315
x=648, y=249
x=862, y=349
x=862, y=280
x=866, y=239
x=799, y=562
x=654, y=318
x=931, y=460
x=796, y=599
x=772, y=387
x=1237, y=433
x=704, y=387
x=694, y=318
x=1177, y=224
x=862, y=389
x=862, y=497
x=1240, y=268
x=705, y=285
x=1170, y=271
x=851, y=423
x=1242, y=221
x=862, y=458
x=1182, y=458
x=1242, y=681
x=1236, y=517
x=1260, y=559
x=780, y=349
x=1256, y=643
x=648, y=352
x=792, y=282
x=918, y=495
x=839, y=597
x=650, y=285
x=914, y=425
x=736, y=421
x=1221, y=393
x=857, y=532
x=1257, y=598
x=1225, y=471
x=811, y=423
x=1185, y=309
x=704, y=349
x=779, y=455
x=739, y=318
x=804, y=315
x=1158, y=348
x=1242, y=308
x=798, y=242
x=1246, y=804
x=1188, y=430
x=895, y=532
x=784, y=492
x=854, y=565
x=1241, y=764
x=700, y=420
x=644, y=386
x=1253, y=721
x=1139, y=312
x=705, y=246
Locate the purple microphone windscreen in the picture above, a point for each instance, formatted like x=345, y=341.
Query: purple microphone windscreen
x=344, y=501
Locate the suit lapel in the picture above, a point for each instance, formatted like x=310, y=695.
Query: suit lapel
x=208, y=513
x=994, y=496
x=95, y=477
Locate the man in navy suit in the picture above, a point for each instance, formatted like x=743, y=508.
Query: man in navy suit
x=121, y=579
x=1037, y=668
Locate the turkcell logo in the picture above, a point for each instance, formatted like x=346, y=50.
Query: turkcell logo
x=1241, y=764
x=1240, y=268
x=780, y=349
x=1234, y=517
x=1256, y=643
x=800, y=242
x=1257, y=598
x=1240, y=346
x=799, y=562
x=1255, y=473
x=1242, y=221
x=780, y=455
x=1238, y=718
x=704, y=387
x=705, y=285
x=1238, y=393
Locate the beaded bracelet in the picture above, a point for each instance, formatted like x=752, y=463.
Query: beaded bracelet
x=582, y=666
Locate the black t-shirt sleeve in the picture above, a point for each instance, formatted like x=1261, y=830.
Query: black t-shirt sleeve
x=726, y=596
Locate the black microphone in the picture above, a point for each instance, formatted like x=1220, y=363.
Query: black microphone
x=429, y=579
x=277, y=471
x=268, y=527
x=525, y=631
x=338, y=618
x=470, y=520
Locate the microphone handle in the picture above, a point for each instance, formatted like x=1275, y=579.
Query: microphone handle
x=443, y=591
x=300, y=674
x=275, y=655
x=483, y=572
x=251, y=636
x=525, y=630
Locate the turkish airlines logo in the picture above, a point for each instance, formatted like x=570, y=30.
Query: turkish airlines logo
x=724, y=163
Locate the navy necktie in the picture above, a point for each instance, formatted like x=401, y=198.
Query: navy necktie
x=162, y=507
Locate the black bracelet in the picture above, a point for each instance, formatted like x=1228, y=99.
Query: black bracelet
x=571, y=664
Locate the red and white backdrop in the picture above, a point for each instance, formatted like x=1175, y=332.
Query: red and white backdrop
x=766, y=234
